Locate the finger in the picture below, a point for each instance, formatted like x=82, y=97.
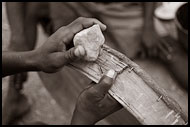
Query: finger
x=73, y=54
x=93, y=21
x=67, y=33
x=105, y=82
x=82, y=23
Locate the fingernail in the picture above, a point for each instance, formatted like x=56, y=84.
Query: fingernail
x=105, y=27
x=111, y=73
x=79, y=51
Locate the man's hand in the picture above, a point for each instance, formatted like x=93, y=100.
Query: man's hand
x=94, y=103
x=53, y=55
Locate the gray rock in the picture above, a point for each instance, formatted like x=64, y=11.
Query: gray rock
x=91, y=39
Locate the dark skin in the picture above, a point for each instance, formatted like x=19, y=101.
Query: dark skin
x=51, y=57
x=23, y=19
x=29, y=17
x=95, y=103
x=29, y=14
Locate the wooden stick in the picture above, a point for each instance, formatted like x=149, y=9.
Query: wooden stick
x=134, y=88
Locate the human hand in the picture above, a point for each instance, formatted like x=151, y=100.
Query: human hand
x=57, y=51
x=94, y=103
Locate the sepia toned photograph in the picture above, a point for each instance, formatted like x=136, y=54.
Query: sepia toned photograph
x=94, y=63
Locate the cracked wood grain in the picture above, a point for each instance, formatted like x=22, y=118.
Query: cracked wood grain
x=134, y=89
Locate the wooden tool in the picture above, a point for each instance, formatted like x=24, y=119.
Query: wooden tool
x=134, y=89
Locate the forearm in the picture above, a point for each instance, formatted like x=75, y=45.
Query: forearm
x=148, y=9
x=16, y=62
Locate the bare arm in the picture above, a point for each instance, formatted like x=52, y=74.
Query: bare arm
x=52, y=55
x=16, y=62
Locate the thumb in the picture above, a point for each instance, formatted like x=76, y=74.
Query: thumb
x=73, y=54
x=105, y=82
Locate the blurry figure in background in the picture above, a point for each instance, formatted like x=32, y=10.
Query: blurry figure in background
x=23, y=19
x=174, y=53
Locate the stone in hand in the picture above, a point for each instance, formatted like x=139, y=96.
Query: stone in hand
x=91, y=39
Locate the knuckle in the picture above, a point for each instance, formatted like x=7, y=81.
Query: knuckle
x=94, y=19
x=63, y=28
x=92, y=92
x=80, y=18
x=56, y=66
x=69, y=56
x=65, y=38
x=106, y=82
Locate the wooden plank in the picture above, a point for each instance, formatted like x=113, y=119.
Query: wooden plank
x=134, y=88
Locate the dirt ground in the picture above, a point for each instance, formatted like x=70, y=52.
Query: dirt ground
x=47, y=109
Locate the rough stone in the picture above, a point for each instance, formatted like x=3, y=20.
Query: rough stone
x=91, y=39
